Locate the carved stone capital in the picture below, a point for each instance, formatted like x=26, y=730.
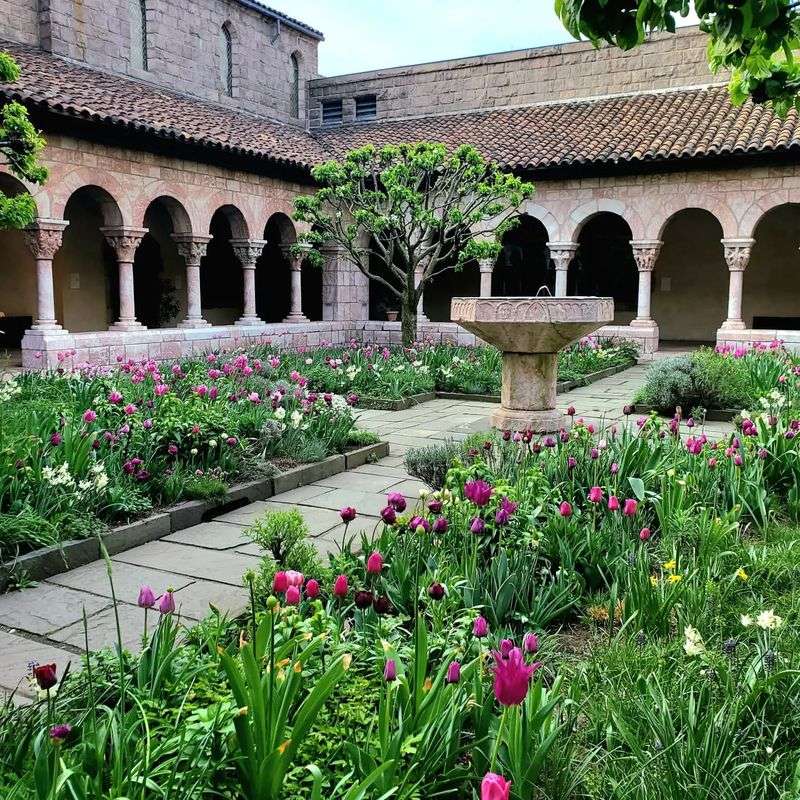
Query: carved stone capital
x=44, y=237
x=296, y=254
x=191, y=247
x=645, y=253
x=124, y=240
x=248, y=251
x=562, y=253
x=737, y=253
x=486, y=265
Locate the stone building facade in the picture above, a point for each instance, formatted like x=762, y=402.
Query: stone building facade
x=179, y=133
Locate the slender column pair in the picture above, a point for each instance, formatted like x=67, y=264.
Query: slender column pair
x=44, y=239
x=737, y=256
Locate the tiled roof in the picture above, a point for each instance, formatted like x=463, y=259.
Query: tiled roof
x=285, y=18
x=668, y=125
x=77, y=91
x=659, y=126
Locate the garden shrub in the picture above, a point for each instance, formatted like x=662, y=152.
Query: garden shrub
x=669, y=383
x=430, y=464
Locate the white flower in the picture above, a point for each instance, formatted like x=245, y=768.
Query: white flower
x=309, y=361
x=746, y=620
x=693, y=643
x=769, y=620
x=296, y=418
x=423, y=493
x=212, y=443
x=280, y=412
x=193, y=451
x=9, y=389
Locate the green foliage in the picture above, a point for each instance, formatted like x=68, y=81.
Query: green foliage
x=415, y=208
x=21, y=147
x=283, y=535
x=754, y=39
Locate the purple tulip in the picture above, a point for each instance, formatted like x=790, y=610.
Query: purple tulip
x=389, y=515
x=480, y=628
x=477, y=525
x=58, y=733
x=396, y=501
x=454, y=672
x=530, y=643
x=147, y=598
x=390, y=671
x=166, y=605
x=478, y=492
x=440, y=525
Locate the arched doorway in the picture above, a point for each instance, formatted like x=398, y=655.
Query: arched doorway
x=524, y=263
x=85, y=271
x=604, y=264
x=273, y=272
x=159, y=270
x=18, y=305
x=221, y=280
x=441, y=289
x=771, y=293
x=690, y=280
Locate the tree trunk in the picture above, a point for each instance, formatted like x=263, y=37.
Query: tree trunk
x=408, y=320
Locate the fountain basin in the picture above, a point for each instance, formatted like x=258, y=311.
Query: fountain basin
x=530, y=331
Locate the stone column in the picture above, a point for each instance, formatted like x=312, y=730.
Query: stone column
x=562, y=254
x=296, y=299
x=192, y=248
x=418, y=273
x=44, y=238
x=645, y=254
x=124, y=241
x=737, y=255
x=248, y=251
x=486, y=266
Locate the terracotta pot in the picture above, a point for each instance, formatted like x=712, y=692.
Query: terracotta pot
x=392, y=316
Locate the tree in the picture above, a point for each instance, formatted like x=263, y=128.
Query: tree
x=754, y=39
x=408, y=211
x=20, y=147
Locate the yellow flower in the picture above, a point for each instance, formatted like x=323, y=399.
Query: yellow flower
x=670, y=565
x=675, y=578
x=741, y=574
x=654, y=580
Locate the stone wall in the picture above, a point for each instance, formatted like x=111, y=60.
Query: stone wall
x=184, y=45
x=19, y=21
x=522, y=77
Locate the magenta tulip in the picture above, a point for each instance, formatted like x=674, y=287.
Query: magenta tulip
x=565, y=509
x=375, y=563
x=389, y=515
x=340, y=587
x=495, y=787
x=396, y=501
x=595, y=494
x=630, y=507
x=390, y=671
x=530, y=643
x=613, y=503
x=454, y=672
x=478, y=492
x=292, y=595
x=512, y=676
x=166, y=605
x=480, y=628
x=280, y=583
x=312, y=589
x=348, y=514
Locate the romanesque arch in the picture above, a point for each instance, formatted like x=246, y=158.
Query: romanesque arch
x=221, y=279
x=524, y=264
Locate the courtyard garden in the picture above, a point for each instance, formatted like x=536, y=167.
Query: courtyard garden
x=605, y=612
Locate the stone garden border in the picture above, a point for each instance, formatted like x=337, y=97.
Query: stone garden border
x=712, y=414
x=49, y=561
x=561, y=386
x=384, y=404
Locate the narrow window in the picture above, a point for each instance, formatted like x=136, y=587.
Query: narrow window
x=295, y=86
x=226, y=60
x=366, y=107
x=138, y=15
x=331, y=112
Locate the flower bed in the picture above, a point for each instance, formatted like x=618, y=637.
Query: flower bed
x=380, y=374
x=86, y=449
x=597, y=614
x=717, y=383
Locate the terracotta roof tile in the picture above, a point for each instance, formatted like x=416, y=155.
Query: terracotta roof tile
x=657, y=126
x=668, y=125
x=68, y=88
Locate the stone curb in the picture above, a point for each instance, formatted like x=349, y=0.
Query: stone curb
x=383, y=404
x=49, y=561
x=561, y=386
x=712, y=414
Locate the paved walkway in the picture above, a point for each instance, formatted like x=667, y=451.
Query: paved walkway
x=204, y=564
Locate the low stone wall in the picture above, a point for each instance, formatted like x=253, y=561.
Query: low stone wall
x=45, y=350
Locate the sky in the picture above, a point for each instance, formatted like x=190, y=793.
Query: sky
x=371, y=34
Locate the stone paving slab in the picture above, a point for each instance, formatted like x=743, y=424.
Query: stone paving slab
x=46, y=608
x=102, y=629
x=360, y=481
x=212, y=535
x=221, y=566
x=17, y=652
x=92, y=579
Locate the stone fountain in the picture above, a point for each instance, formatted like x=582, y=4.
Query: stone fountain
x=530, y=331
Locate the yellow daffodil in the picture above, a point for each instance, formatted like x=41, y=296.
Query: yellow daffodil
x=654, y=580
x=741, y=574
x=670, y=565
x=675, y=578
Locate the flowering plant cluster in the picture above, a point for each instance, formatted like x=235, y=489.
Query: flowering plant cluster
x=88, y=446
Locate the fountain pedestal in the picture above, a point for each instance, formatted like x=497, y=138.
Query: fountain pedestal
x=530, y=331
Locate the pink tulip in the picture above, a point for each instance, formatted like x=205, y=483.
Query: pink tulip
x=166, y=605
x=89, y=415
x=295, y=578
x=630, y=507
x=375, y=563
x=613, y=503
x=454, y=672
x=280, y=583
x=644, y=534
x=495, y=787
x=530, y=643
x=595, y=494
x=512, y=676
x=480, y=628
x=292, y=596
x=340, y=587
x=390, y=671
x=147, y=598
x=565, y=509
x=312, y=588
